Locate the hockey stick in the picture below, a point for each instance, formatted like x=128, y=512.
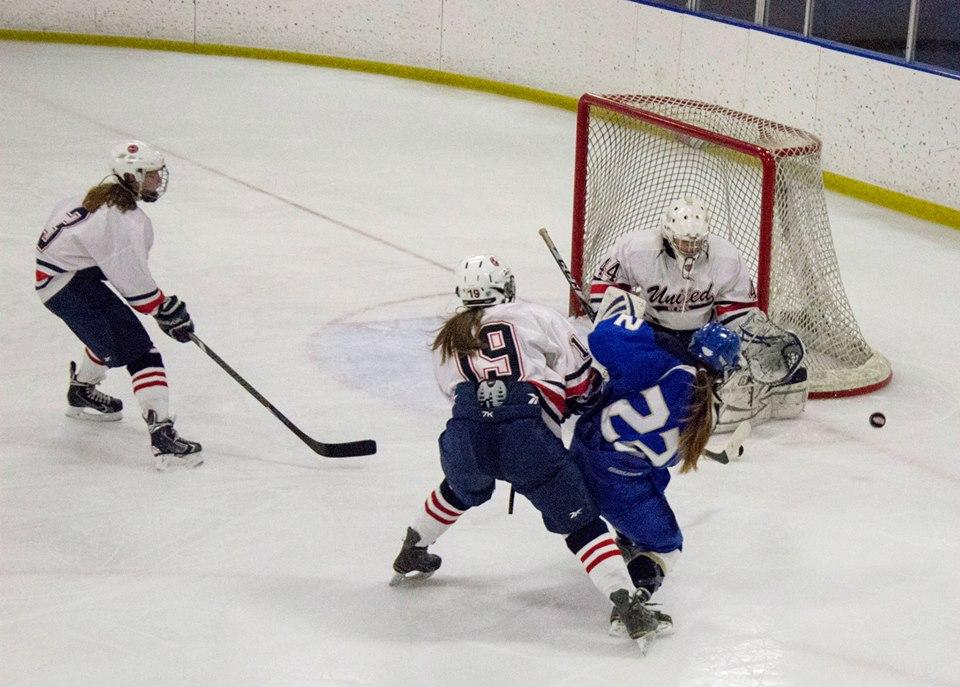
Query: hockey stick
x=574, y=287
x=734, y=447
x=365, y=447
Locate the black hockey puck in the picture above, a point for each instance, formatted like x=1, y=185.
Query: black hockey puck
x=878, y=419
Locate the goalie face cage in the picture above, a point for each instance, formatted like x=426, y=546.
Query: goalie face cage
x=763, y=186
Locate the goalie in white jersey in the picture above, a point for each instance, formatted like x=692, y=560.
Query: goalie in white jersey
x=103, y=238
x=686, y=276
x=689, y=277
x=514, y=372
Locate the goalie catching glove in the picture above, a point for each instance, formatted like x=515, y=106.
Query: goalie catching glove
x=174, y=319
x=774, y=383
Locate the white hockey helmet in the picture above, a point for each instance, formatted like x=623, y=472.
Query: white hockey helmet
x=131, y=161
x=484, y=280
x=686, y=224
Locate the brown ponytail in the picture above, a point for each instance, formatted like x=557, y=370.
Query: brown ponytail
x=459, y=334
x=699, y=422
x=111, y=195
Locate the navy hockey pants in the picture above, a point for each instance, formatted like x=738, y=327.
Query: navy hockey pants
x=511, y=443
x=101, y=319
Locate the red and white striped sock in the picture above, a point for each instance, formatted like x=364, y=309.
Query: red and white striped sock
x=603, y=563
x=92, y=370
x=150, y=390
x=437, y=516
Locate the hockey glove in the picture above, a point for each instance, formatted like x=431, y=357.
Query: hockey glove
x=174, y=319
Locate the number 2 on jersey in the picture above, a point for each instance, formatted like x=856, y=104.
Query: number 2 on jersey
x=642, y=425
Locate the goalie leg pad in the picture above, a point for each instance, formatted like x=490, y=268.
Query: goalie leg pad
x=743, y=398
x=788, y=400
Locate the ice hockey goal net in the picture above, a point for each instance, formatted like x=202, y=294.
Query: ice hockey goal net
x=763, y=184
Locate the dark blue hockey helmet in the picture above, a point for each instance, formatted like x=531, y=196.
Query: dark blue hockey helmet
x=717, y=347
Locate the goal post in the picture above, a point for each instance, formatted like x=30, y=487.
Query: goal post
x=763, y=184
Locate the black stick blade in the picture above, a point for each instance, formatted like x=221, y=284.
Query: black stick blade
x=719, y=456
x=365, y=447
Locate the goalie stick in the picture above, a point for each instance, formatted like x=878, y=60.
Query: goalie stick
x=574, y=287
x=365, y=447
x=734, y=447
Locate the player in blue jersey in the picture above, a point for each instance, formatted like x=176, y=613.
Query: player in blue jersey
x=655, y=412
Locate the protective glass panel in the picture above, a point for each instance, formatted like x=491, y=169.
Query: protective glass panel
x=878, y=25
x=786, y=14
x=737, y=9
x=938, y=34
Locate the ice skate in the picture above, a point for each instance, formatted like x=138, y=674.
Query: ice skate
x=631, y=551
x=639, y=622
x=664, y=622
x=414, y=563
x=85, y=402
x=170, y=449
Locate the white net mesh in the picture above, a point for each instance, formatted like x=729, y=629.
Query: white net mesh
x=764, y=186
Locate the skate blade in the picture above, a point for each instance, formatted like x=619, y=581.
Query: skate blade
x=618, y=629
x=90, y=415
x=399, y=579
x=664, y=629
x=168, y=462
x=644, y=642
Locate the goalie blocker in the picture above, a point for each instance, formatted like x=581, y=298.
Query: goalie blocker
x=771, y=385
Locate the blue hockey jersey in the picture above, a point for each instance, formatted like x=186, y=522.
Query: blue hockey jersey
x=644, y=404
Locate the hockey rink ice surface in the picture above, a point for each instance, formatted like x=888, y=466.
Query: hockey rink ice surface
x=311, y=223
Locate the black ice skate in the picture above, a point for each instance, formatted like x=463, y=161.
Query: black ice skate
x=414, y=562
x=85, y=402
x=638, y=620
x=664, y=622
x=171, y=450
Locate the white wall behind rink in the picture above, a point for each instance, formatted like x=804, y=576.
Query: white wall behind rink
x=881, y=123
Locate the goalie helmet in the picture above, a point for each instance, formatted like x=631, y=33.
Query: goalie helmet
x=717, y=347
x=483, y=281
x=132, y=161
x=685, y=226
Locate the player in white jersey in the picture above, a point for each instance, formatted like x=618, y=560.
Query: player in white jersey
x=103, y=238
x=689, y=277
x=514, y=371
x=686, y=278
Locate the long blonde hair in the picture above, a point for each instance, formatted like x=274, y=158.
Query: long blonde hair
x=459, y=334
x=110, y=194
x=699, y=421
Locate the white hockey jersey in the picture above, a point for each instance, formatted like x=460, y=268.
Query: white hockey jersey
x=530, y=343
x=117, y=242
x=719, y=285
